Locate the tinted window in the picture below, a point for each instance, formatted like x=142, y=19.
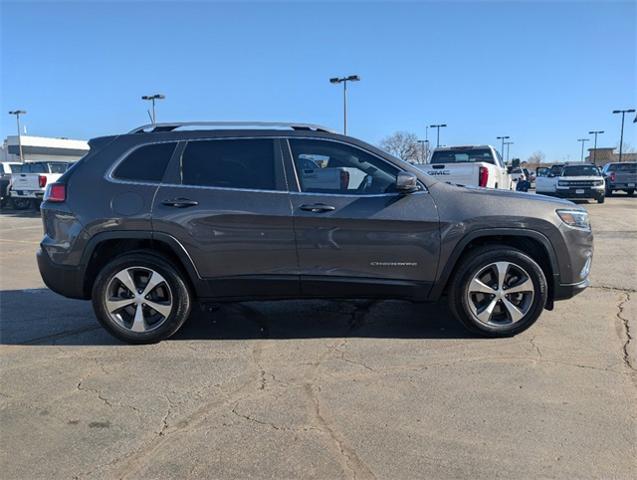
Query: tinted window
x=625, y=167
x=246, y=164
x=331, y=167
x=58, y=167
x=146, y=164
x=463, y=156
x=580, y=171
x=35, y=167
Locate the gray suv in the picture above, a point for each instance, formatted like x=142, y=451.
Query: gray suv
x=151, y=221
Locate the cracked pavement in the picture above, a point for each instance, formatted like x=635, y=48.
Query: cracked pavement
x=321, y=389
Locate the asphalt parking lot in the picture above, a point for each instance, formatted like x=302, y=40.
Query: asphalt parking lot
x=322, y=389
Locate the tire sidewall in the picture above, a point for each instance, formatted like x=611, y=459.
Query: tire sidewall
x=181, y=297
x=466, y=272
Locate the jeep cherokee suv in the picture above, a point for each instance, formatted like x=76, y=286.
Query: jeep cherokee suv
x=151, y=221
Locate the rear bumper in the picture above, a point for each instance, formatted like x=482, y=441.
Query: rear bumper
x=37, y=194
x=621, y=186
x=62, y=279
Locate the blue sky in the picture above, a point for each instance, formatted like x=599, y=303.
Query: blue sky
x=544, y=73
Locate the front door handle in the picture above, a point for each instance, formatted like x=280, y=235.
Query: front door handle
x=317, y=208
x=180, y=203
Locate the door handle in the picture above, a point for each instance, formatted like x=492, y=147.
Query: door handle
x=180, y=203
x=317, y=208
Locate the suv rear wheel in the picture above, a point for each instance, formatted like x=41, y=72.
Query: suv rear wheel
x=498, y=291
x=141, y=298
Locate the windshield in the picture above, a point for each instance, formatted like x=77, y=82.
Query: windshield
x=463, y=155
x=580, y=171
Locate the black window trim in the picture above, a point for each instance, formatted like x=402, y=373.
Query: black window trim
x=109, y=173
x=289, y=159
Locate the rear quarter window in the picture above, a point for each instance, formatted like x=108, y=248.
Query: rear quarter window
x=468, y=155
x=146, y=163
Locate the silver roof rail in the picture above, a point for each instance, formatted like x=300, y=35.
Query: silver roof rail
x=169, y=127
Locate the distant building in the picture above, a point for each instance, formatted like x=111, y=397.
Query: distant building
x=35, y=149
x=604, y=155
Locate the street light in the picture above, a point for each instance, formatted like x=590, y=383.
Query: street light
x=438, y=127
x=595, y=132
x=152, y=98
x=17, y=114
x=508, y=144
x=583, y=141
x=425, y=149
x=503, y=138
x=621, y=138
x=344, y=80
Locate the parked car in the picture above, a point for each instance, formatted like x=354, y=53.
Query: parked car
x=473, y=165
x=620, y=176
x=6, y=169
x=575, y=181
x=29, y=184
x=545, y=180
x=150, y=221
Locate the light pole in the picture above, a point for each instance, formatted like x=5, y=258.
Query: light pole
x=438, y=127
x=425, y=150
x=508, y=144
x=621, y=138
x=152, y=98
x=595, y=132
x=17, y=114
x=503, y=138
x=344, y=80
x=583, y=141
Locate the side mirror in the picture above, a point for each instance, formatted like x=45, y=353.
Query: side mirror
x=509, y=169
x=406, y=182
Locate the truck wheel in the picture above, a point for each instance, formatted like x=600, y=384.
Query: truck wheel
x=601, y=199
x=21, y=203
x=608, y=192
x=630, y=192
x=141, y=298
x=497, y=291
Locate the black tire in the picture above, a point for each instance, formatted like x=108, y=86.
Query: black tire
x=477, y=260
x=20, y=203
x=601, y=199
x=609, y=192
x=630, y=192
x=180, y=297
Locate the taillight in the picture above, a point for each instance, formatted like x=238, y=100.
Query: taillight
x=612, y=176
x=483, y=176
x=344, y=179
x=55, y=192
x=42, y=181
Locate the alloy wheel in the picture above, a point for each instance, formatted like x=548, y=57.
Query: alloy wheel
x=500, y=294
x=138, y=299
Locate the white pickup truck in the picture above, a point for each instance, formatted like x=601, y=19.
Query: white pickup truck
x=29, y=182
x=579, y=180
x=472, y=165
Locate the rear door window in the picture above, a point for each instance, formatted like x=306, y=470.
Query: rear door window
x=146, y=163
x=244, y=164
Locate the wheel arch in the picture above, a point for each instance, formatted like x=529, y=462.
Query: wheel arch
x=531, y=242
x=107, y=245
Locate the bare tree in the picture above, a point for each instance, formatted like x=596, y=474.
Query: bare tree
x=626, y=147
x=536, y=158
x=403, y=145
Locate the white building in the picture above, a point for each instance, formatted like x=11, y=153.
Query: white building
x=37, y=149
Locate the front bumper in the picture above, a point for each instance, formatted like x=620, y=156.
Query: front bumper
x=579, y=192
x=565, y=291
x=63, y=279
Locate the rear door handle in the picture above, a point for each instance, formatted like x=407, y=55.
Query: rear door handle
x=317, y=208
x=180, y=203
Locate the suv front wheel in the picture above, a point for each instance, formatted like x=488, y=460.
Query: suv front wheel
x=498, y=291
x=141, y=298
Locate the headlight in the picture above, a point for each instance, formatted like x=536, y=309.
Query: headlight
x=575, y=218
x=562, y=183
x=599, y=182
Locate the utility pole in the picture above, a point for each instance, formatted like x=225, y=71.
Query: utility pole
x=153, y=98
x=344, y=80
x=17, y=114
x=503, y=138
x=508, y=144
x=438, y=127
x=595, y=132
x=621, y=138
x=583, y=141
x=423, y=148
